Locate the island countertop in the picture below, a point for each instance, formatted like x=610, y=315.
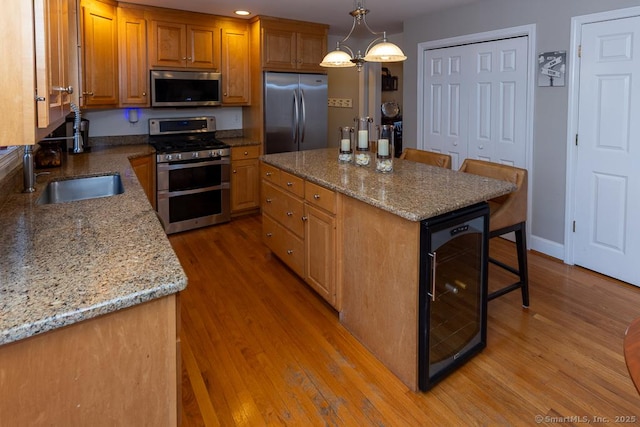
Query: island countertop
x=64, y=263
x=413, y=191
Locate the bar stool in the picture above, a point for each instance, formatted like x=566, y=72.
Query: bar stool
x=507, y=213
x=427, y=157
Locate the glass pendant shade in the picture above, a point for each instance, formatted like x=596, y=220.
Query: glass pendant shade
x=337, y=59
x=385, y=52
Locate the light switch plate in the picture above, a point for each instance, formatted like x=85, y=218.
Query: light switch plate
x=340, y=102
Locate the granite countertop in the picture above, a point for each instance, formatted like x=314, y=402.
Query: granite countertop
x=64, y=263
x=413, y=191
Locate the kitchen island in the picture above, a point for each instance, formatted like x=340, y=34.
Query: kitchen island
x=88, y=311
x=375, y=221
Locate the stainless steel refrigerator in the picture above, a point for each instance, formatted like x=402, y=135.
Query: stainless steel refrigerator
x=296, y=111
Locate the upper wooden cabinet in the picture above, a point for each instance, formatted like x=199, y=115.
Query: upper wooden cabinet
x=99, y=54
x=53, y=87
x=292, y=45
x=132, y=58
x=37, y=41
x=183, y=40
x=236, y=81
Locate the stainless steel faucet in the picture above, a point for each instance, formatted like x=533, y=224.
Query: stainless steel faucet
x=28, y=167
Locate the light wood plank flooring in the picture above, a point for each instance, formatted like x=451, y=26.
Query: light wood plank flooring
x=259, y=347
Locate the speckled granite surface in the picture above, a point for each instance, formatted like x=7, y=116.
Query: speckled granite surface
x=413, y=191
x=64, y=263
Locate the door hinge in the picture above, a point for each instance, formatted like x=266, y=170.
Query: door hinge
x=579, y=51
x=574, y=226
x=576, y=139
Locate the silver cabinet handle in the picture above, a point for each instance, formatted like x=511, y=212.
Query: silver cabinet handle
x=269, y=200
x=235, y=171
x=246, y=153
x=290, y=251
x=316, y=196
x=304, y=218
x=88, y=93
x=269, y=234
x=289, y=213
x=68, y=89
x=433, y=276
x=268, y=173
x=40, y=98
x=289, y=184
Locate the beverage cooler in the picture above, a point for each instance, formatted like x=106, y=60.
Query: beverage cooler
x=453, y=291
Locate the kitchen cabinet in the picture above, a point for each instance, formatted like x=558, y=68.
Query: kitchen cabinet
x=184, y=40
x=144, y=167
x=321, y=241
x=245, y=185
x=300, y=227
x=109, y=368
x=293, y=46
x=38, y=39
x=236, y=81
x=99, y=53
x=132, y=56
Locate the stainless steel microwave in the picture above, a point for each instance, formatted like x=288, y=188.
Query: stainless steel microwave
x=185, y=88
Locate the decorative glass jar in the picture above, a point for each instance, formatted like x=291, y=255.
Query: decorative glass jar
x=346, y=144
x=363, y=155
x=384, y=151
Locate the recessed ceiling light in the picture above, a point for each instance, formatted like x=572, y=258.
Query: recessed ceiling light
x=242, y=12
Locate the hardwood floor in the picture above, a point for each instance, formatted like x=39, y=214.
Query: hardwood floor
x=259, y=347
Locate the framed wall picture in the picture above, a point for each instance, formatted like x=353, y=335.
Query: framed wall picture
x=552, y=67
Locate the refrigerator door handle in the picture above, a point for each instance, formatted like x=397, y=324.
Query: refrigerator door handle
x=304, y=115
x=296, y=116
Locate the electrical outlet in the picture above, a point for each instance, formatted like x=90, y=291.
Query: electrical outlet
x=340, y=102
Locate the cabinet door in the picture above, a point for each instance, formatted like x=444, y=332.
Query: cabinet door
x=168, y=44
x=203, y=47
x=236, y=81
x=100, y=54
x=132, y=44
x=144, y=167
x=320, y=243
x=245, y=190
x=279, y=49
x=52, y=61
x=310, y=48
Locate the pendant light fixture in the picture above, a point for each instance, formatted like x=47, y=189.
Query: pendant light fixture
x=379, y=50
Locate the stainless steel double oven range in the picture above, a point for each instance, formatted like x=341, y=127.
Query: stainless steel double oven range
x=192, y=169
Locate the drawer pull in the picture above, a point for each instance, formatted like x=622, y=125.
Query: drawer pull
x=290, y=251
x=289, y=184
x=316, y=196
x=269, y=234
x=289, y=213
x=246, y=153
x=268, y=200
x=304, y=218
x=268, y=173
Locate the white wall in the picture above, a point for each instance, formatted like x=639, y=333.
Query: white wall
x=116, y=122
x=553, y=21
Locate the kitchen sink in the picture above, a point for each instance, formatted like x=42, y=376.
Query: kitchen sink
x=81, y=188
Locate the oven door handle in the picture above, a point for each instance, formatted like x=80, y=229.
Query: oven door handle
x=173, y=166
x=224, y=186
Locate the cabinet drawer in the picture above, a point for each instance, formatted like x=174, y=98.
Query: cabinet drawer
x=284, y=208
x=320, y=196
x=292, y=183
x=284, y=244
x=270, y=173
x=245, y=152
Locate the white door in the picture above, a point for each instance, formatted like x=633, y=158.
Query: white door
x=476, y=101
x=607, y=175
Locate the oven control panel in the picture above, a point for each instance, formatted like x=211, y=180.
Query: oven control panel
x=193, y=155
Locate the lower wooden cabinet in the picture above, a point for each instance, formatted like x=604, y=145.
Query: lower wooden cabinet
x=144, y=167
x=245, y=182
x=300, y=225
x=120, y=369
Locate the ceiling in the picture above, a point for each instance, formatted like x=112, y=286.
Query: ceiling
x=384, y=15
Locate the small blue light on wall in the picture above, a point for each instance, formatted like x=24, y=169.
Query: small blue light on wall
x=133, y=114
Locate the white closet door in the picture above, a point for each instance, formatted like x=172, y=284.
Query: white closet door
x=608, y=163
x=475, y=101
x=446, y=102
x=498, y=101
